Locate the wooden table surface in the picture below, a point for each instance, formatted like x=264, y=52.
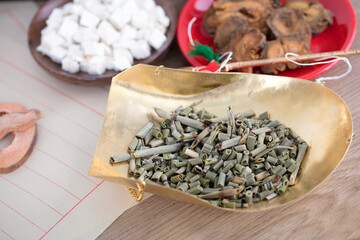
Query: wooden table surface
x=331, y=211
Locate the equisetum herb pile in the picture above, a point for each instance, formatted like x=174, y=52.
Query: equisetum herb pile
x=231, y=161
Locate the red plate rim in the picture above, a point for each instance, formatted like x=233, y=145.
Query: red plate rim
x=184, y=46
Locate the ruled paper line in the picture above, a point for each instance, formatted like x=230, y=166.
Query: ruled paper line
x=50, y=86
x=51, y=182
x=71, y=209
x=58, y=160
x=7, y=234
x=23, y=216
x=14, y=18
x=31, y=195
x=64, y=139
x=49, y=108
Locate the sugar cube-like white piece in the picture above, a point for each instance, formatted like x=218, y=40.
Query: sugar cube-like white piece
x=52, y=39
x=123, y=43
x=88, y=19
x=107, y=50
x=46, y=30
x=95, y=7
x=67, y=8
x=110, y=62
x=128, y=32
x=165, y=21
x=143, y=33
x=75, y=53
x=130, y=6
x=68, y=28
x=92, y=48
x=86, y=34
x=67, y=43
x=140, y=19
x=89, y=3
x=122, y=63
x=119, y=53
x=43, y=50
x=84, y=66
x=156, y=38
x=120, y=18
x=116, y=3
x=107, y=32
x=55, y=18
x=160, y=27
x=76, y=9
x=148, y=5
x=57, y=54
x=78, y=36
x=74, y=17
x=79, y=1
x=140, y=50
x=70, y=65
x=89, y=34
x=97, y=65
x=158, y=11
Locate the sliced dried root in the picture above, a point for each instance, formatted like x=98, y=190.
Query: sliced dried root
x=15, y=119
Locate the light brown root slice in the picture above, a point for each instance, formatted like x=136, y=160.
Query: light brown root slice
x=13, y=156
x=254, y=12
x=11, y=107
x=294, y=45
x=214, y=17
x=288, y=22
x=17, y=122
x=273, y=49
x=227, y=29
x=315, y=14
x=245, y=46
x=278, y=48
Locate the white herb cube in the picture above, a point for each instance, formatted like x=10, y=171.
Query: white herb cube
x=70, y=65
x=88, y=19
x=156, y=38
x=68, y=28
x=57, y=54
x=122, y=63
x=97, y=65
x=141, y=49
x=107, y=32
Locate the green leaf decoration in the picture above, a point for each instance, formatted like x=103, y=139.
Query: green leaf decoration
x=204, y=51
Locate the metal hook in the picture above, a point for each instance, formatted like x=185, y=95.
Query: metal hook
x=139, y=195
x=156, y=72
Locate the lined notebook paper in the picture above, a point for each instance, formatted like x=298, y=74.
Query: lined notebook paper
x=51, y=196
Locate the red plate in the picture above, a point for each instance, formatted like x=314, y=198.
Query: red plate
x=338, y=36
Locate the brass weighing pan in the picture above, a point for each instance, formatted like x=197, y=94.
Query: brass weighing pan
x=315, y=112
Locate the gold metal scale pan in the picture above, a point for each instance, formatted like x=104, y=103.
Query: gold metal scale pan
x=315, y=112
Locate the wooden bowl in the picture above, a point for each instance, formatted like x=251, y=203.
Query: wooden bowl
x=82, y=78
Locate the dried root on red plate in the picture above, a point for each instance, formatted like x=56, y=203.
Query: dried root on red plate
x=288, y=28
x=277, y=48
x=225, y=31
x=20, y=122
x=317, y=17
x=245, y=46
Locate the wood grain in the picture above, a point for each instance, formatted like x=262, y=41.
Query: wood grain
x=331, y=211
